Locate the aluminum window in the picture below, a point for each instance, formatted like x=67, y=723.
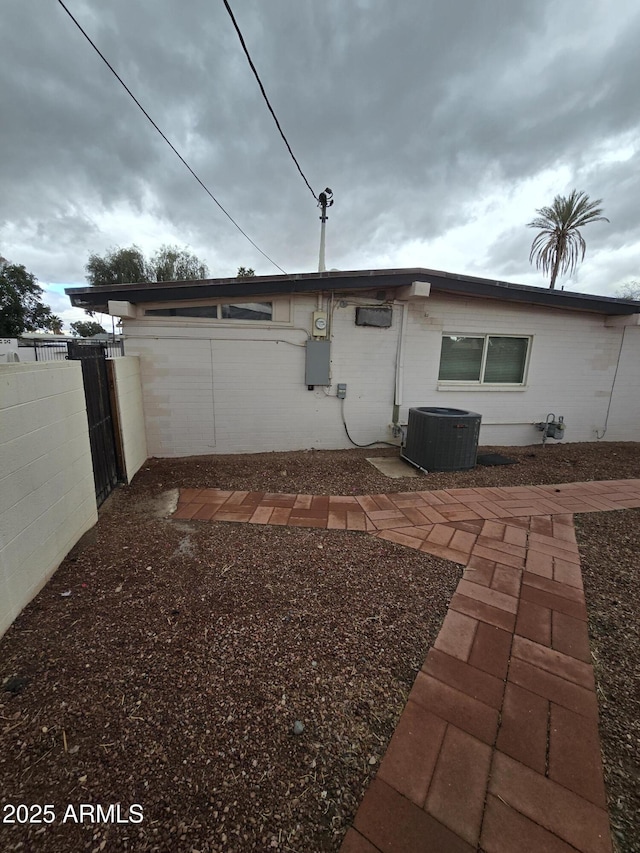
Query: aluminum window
x=484, y=359
x=254, y=311
x=247, y=311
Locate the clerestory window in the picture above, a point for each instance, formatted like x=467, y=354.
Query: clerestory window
x=229, y=311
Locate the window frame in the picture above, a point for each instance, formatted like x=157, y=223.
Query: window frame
x=444, y=384
x=219, y=320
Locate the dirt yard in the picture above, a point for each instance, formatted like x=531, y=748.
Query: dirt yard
x=174, y=673
x=610, y=554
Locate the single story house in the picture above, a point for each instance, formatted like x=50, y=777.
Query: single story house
x=326, y=359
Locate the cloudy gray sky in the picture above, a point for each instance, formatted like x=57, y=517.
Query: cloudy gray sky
x=440, y=126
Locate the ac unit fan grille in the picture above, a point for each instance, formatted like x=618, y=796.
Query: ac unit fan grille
x=441, y=439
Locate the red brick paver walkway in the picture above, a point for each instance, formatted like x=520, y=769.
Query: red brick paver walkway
x=497, y=748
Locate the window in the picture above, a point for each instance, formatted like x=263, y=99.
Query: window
x=247, y=311
x=191, y=311
x=484, y=359
x=232, y=311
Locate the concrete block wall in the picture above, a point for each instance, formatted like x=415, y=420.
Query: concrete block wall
x=125, y=372
x=215, y=388
x=211, y=387
x=47, y=493
x=364, y=357
x=571, y=368
x=623, y=423
x=177, y=387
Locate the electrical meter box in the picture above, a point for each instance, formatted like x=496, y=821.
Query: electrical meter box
x=317, y=363
x=320, y=324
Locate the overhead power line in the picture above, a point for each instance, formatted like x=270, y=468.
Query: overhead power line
x=264, y=95
x=170, y=144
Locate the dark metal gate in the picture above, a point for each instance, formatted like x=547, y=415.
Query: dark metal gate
x=101, y=433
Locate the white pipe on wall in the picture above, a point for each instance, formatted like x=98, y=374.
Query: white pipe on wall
x=399, y=383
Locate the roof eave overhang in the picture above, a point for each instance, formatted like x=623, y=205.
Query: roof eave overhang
x=96, y=298
x=219, y=288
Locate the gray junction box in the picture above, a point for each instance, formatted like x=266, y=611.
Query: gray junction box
x=318, y=363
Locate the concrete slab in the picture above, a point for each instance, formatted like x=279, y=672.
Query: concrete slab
x=161, y=506
x=393, y=467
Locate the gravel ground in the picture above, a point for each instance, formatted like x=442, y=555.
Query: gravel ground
x=610, y=554
x=173, y=674
x=346, y=472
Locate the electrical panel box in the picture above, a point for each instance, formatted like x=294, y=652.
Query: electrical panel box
x=318, y=363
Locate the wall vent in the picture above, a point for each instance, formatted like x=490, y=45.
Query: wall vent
x=380, y=317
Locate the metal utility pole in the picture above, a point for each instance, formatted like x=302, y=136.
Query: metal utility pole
x=325, y=200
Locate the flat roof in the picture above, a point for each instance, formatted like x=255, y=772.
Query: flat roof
x=96, y=298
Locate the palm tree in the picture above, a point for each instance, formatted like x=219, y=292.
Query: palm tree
x=560, y=246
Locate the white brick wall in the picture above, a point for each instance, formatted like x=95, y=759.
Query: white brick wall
x=571, y=369
x=624, y=417
x=211, y=388
x=47, y=493
x=130, y=412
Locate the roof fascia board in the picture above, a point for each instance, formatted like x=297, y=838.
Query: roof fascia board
x=445, y=283
x=190, y=290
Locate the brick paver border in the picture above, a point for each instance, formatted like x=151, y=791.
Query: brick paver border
x=497, y=748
